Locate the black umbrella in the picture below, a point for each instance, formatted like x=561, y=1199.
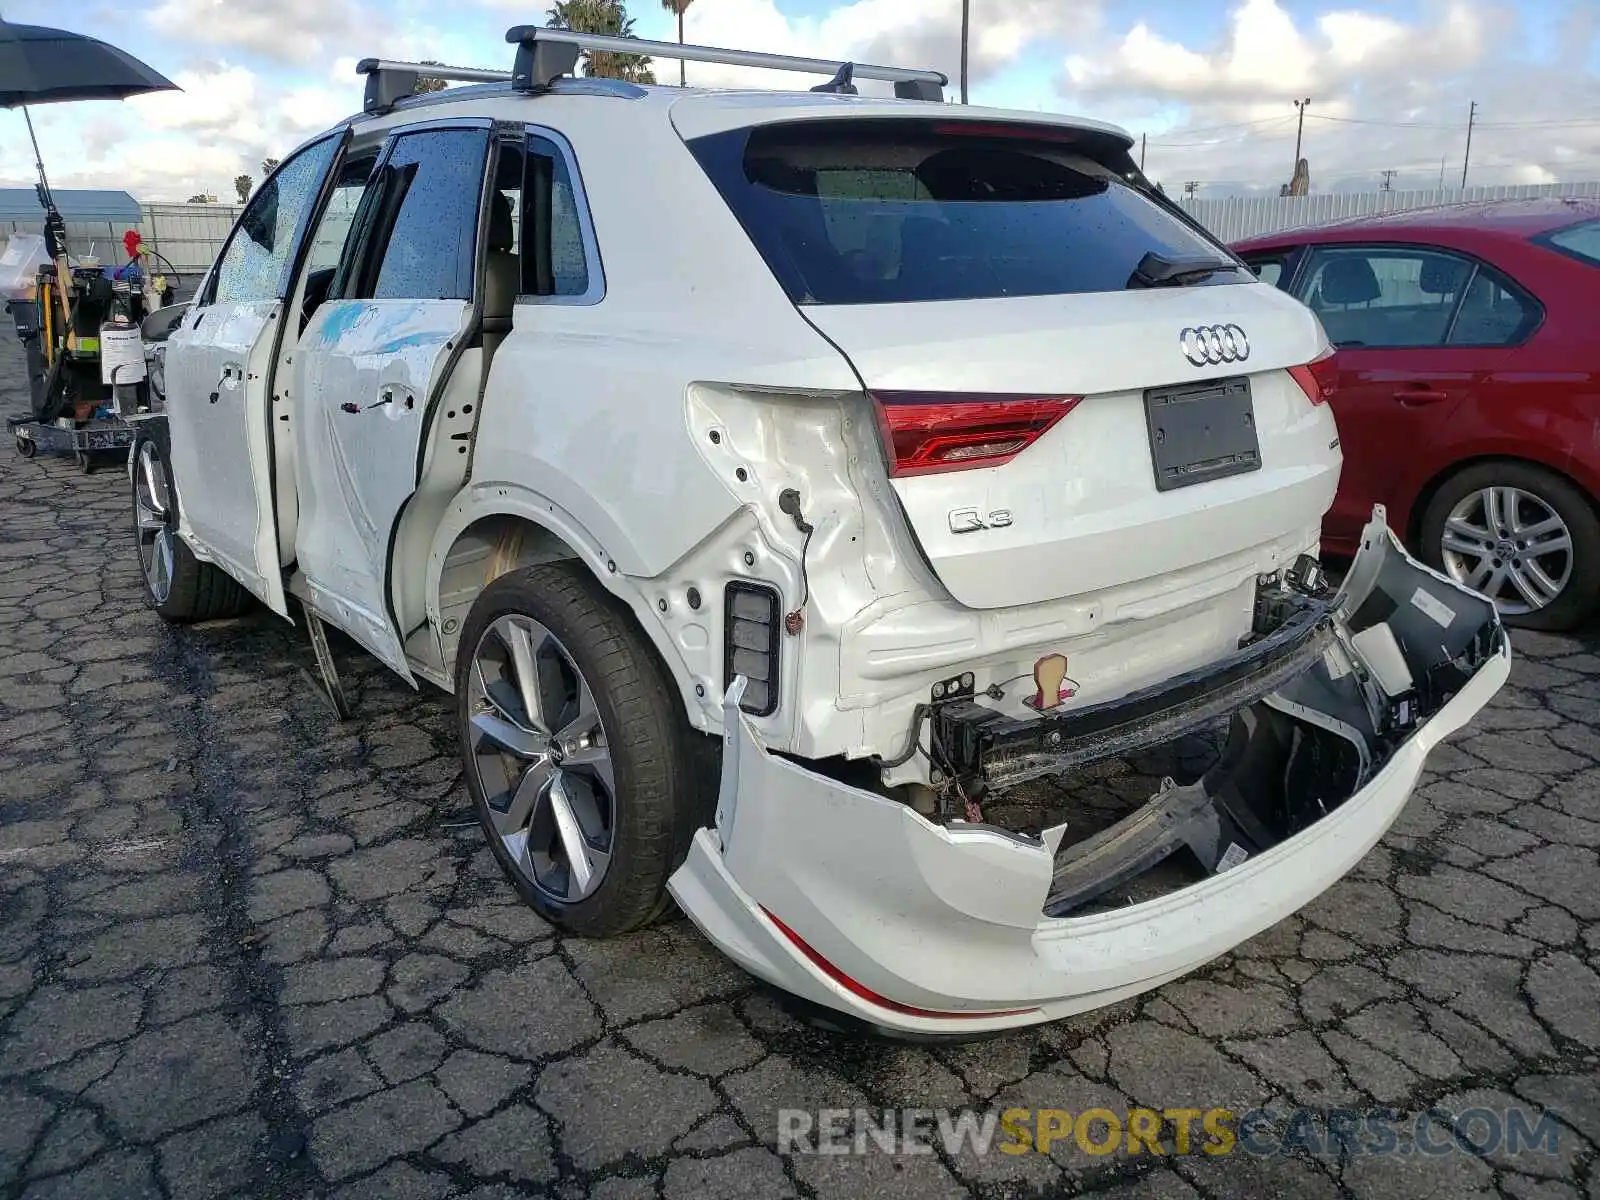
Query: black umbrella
x=39, y=65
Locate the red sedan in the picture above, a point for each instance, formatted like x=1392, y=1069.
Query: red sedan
x=1466, y=384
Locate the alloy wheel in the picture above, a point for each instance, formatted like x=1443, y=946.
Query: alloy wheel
x=542, y=758
x=152, y=502
x=1511, y=545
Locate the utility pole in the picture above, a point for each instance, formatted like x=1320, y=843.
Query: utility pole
x=1191, y=187
x=1441, y=172
x=1388, y=182
x=966, y=32
x=1472, y=116
x=1142, y=138
x=1300, y=128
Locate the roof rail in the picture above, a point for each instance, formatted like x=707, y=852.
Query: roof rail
x=543, y=54
x=389, y=82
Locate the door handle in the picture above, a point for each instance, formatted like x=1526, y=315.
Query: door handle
x=231, y=373
x=1417, y=395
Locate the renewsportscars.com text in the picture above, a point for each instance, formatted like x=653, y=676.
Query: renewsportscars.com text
x=1095, y=1132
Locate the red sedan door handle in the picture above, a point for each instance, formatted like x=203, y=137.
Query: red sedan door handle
x=1419, y=394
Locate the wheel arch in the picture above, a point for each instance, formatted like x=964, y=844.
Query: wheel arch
x=480, y=540
x=1430, y=488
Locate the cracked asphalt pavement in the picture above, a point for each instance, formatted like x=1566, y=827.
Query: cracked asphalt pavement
x=248, y=951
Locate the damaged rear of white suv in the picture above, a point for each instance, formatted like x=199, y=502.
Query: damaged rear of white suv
x=1086, y=529
x=925, y=456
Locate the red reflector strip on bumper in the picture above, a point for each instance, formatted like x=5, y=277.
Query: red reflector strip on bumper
x=870, y=996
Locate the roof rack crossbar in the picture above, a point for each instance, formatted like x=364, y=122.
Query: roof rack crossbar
x=389, y=82
x=538, y=65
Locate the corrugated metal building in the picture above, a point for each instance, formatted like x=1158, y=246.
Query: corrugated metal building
x=96, y=218
x=189, y=235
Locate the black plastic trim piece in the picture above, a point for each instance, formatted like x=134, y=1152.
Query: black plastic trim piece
x=769, y=596
x=987, y=749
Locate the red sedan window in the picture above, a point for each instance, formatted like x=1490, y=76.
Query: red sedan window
x=1581, y=241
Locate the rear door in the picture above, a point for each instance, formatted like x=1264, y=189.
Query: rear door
x=1419, y=331
x=371, y=366
x=218, y=376
x=1055, y=423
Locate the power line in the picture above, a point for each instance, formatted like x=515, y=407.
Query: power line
x=1233, y=125
x=1553, y=124
x=1232, y=141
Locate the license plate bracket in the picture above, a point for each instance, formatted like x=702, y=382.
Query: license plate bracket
x=1201, y=431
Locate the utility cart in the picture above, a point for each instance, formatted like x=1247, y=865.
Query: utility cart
x=86, y=359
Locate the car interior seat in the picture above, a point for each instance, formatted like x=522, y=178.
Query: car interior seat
x=502, y=275
x=1346, y=281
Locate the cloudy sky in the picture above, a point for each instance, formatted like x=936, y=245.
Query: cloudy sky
x=1209, y=85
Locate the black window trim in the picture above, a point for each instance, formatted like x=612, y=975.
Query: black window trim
x=358, y=272
x=1477, y=264
x=596, y=291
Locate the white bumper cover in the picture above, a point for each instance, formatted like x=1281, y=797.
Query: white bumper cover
x=856, y=902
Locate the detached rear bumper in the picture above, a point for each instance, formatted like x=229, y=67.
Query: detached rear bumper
x=858, y=903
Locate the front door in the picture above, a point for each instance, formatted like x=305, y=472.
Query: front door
x=370, y=369
x=1409, y=352
x=219, y=369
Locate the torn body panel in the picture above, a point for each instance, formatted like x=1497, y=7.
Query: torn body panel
x=854, y=901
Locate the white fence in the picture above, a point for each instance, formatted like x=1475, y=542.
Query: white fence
x=1247, y=216
x=189, y=235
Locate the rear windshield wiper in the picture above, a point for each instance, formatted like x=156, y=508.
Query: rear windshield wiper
x=1155, y=271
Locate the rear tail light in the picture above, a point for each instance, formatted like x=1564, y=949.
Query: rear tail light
x=750, y=645
x=1317, y=378
x=924, y=432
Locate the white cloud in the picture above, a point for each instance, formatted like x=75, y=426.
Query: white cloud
x=286, y=30
x=1386, y=94
x=909, y=33
x=259, y=76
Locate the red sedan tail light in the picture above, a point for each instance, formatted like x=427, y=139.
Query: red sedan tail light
x=1317, y=378
x=925, y=432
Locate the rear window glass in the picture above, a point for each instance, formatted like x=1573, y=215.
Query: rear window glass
x=1580, y=241
x=872, y=212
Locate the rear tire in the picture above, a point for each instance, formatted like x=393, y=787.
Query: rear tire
x=587, y=824
x=177, y=585
x=1518, y=533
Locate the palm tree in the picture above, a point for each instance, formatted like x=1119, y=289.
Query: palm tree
x=678, y=8
x=966, y=29
x=609, y=17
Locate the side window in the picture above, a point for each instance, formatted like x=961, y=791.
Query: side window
x=1493, y=313
x=554, y=225
x=428, y=244
x=1268, y=270
x=1384, y=296
x=255, y=264
x=338, y=218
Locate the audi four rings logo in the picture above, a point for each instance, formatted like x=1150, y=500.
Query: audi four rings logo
x=1212, y=345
